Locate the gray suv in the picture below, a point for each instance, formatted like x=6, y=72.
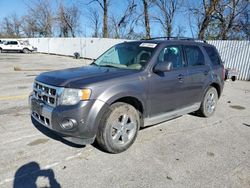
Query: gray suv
x=132, y=85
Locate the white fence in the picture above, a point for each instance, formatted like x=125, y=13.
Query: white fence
x=235, y=54
x=87, y=47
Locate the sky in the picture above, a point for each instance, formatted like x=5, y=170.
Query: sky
x=19, y=7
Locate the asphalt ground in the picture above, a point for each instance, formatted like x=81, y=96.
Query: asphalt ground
x=188, y=151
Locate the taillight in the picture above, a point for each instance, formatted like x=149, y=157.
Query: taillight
x=223, y=72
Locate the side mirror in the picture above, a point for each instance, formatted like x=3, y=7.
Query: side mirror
x=163, y=67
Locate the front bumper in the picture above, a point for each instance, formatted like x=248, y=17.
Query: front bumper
x=85, y=128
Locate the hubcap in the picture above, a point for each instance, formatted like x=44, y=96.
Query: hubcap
x=123, y=129
x=211, y=102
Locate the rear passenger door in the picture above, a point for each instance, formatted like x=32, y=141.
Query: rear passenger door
x=198, y=72
x=14, y=45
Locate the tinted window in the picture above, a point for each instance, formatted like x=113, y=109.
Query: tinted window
x=14, y=42
x=213, y=55
x=195, y=56
x=171, y=54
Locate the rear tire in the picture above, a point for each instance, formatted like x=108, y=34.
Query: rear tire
x=209, y=103
x=1, y=50
x=119, y=128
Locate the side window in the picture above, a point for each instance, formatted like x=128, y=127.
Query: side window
x=14, y=42
x=213, y=55
x=194, y=55
x=171, y=54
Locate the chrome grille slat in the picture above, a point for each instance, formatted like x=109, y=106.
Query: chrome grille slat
x=48, y=94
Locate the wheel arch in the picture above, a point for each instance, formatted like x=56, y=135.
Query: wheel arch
x=100, y=108
x=134, y=101
x=25, y=48
x=217, y=87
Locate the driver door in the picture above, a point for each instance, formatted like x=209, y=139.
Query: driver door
x=167, y=90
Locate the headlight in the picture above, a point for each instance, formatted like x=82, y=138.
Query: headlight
x=73, y=96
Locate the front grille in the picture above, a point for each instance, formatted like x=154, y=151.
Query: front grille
x=46, y=93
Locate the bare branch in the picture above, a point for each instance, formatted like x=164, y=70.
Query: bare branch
x=68, y=20
x=168, y=10
x=95, y=22
x=40, y=12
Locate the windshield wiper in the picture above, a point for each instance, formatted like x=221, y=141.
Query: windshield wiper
x=95, y=64
x=109, y=65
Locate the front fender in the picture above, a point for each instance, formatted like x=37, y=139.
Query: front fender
x=96, y=113
x=117, y=92
x=107, y=94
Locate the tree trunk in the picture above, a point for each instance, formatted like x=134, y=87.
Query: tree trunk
x=169, y=30
x=209, y=10
x=96, y=30
x=227, y=27
x=223, y=31
x=105, y=19
x=204, y=26
x=146, y=19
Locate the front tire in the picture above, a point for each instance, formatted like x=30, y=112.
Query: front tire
x=119, y=129
x=1, y=50
x=209, y=103
x=26, y=51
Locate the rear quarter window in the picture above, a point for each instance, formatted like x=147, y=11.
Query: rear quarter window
x=213, y=55
x=194, y=56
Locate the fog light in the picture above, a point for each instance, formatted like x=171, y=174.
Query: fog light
x=68, y=124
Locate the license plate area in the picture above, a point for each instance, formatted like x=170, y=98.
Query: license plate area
x=37, y=106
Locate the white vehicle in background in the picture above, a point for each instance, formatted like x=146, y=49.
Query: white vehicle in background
x=16, y=46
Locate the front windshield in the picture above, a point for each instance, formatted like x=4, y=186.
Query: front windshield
x=134, y=55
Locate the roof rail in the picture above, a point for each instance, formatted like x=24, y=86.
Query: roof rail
x=177, y=38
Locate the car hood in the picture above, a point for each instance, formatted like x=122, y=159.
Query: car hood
x=81, y=76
